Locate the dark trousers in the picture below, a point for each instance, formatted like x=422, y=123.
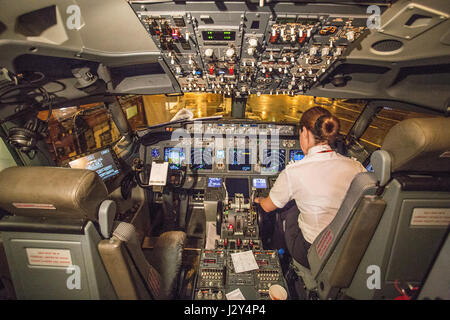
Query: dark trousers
x=280, y=229
x=295, y=242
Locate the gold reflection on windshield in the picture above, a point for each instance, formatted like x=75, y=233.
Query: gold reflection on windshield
x=161, y=108
x=278, y=108
x=274, y=108
x=283, y=108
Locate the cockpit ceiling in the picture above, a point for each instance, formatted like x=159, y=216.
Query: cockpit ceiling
x=350, y=50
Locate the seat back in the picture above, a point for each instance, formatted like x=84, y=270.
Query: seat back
x=51, y=237
x=362, y=185
x=405, y=243
x=136, y=276
x=131, y=274
x=393, y=236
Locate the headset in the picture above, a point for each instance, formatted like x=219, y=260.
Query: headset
x=25, y=138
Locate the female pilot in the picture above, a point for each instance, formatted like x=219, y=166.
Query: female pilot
x=318, y=183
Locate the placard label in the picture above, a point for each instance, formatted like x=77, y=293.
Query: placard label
x=430, y=217
x=49, y=257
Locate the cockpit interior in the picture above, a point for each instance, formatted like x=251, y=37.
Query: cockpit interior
x=136, y=136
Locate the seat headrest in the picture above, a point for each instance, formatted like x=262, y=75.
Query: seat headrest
x=419, y=145
x=51, y=192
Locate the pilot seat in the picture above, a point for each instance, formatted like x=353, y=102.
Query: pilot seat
x=61, y=240
x=392, y=221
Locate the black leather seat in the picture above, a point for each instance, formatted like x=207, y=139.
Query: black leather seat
x=66, y=211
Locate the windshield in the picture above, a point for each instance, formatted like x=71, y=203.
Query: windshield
x=162, y=108
x=77, y=130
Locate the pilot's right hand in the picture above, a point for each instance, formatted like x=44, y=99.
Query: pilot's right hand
x=266, y=203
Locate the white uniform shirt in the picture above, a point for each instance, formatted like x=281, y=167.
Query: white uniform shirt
x=318, y=184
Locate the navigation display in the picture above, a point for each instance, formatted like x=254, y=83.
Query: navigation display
x=296, y=154
x=214, y=182
x=175, y=157
x=101, y=162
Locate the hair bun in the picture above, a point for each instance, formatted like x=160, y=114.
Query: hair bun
x=327, y=128
x=323, y=125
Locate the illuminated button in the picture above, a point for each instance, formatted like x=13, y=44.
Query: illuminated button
x=350, y=36
x=253, y=42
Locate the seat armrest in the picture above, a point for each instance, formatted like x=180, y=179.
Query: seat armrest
x=113, y=255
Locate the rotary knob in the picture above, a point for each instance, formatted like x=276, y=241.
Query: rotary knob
x=230, y=52
x=209, y=52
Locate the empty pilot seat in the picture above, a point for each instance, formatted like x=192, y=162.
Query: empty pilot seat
x=392, y=222
x=135, y=277
x=60, y=219
x=51, y=238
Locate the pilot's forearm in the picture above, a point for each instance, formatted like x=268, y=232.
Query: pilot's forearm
x=266, y=204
